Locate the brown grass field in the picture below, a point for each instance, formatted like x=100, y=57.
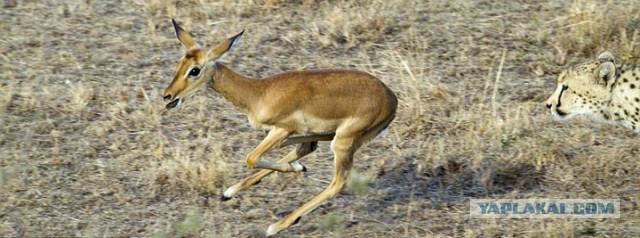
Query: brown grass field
x=87, y=149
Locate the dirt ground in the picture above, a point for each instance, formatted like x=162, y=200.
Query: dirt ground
x=87, y=149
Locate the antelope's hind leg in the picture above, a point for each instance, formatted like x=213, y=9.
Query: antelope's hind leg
x=300, y=151
x=343, y=149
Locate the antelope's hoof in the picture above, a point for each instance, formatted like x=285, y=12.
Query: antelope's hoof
x=278, y=226
x=224, y=198
x=272, y=230
x=298, y=167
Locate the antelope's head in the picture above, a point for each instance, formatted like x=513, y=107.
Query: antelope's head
x=195, y=68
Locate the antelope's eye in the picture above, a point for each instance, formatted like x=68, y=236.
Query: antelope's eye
x=194, y=72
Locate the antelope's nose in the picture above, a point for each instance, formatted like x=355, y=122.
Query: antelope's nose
x=549, y=105
x=167, y=97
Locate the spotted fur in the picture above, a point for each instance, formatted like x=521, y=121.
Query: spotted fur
x=600, y=90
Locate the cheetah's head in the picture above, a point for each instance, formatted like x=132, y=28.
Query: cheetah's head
x=584, y=89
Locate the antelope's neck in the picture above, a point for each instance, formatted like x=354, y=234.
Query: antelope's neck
x=241, y=91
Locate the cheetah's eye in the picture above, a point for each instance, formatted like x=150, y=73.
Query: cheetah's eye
x=565, y=87
x=194, y=72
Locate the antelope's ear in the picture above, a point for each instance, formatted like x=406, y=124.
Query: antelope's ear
x=606, y=56
x=220, y=51
x=183, y=36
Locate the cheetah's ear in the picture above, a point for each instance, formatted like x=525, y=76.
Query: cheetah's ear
x=606, y=73
x=606, y=56
x=607, y=68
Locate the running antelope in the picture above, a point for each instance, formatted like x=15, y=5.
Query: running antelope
x=346, y=107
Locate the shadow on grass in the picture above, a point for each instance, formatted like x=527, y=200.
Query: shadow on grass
x=454, y=183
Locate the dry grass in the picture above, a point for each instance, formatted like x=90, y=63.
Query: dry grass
x=86, y=149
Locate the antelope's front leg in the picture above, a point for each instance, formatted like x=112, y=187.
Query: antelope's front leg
x=274, y=137
x=297, y=153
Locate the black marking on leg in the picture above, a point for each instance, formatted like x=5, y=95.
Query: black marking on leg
x=224, y=198
x=296, y=221
x=304, y=169
x=257, y=182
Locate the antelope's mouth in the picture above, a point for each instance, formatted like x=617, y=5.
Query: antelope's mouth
x=174, y=103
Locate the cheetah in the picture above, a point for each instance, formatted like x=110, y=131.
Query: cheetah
x=600, y=90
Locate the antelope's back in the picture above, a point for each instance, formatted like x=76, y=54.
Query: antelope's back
x=332, y=93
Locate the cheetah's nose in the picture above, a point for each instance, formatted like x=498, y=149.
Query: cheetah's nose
x=549, y=105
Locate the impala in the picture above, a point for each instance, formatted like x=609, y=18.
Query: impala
x=346, y=107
